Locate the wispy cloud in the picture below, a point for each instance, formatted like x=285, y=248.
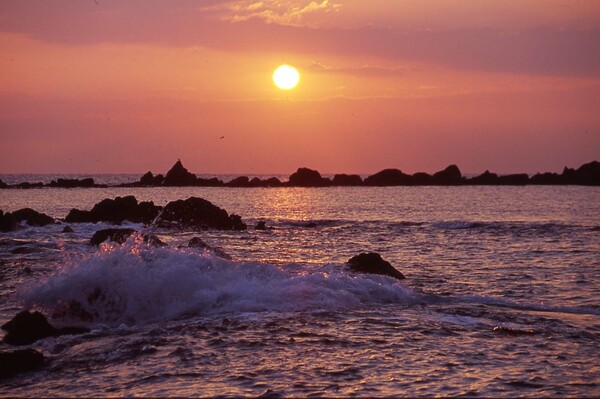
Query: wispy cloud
x=282, y=12
x=362, y=70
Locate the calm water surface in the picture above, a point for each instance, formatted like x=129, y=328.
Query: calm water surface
x=284, y=318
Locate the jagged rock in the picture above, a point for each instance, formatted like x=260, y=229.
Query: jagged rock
x=547, y=179
x=486, y=178
x=10, y=221
x=19, y=361
x=448, y=177
x=197, y=242
x=67, y=229
x=587, y=174
x=373, y=263
x=261, y=225
x=72, y=183
x=198, y=213
x=346, y=180
x=149, y=179
x=519, y=179
x=305, y=177
x=389, y=177
x=116, y=211
x=179, y=176
x=27, y=327
x=117, y=235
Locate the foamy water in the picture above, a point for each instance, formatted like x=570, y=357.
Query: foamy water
x=284, y=317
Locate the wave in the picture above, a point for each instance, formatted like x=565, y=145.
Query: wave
x=136, y=283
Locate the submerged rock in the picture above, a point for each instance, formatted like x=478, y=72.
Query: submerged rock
x=67, y=229
x=198, y=213
x=116, y=235
x=197, y=242
x=27, y=327
x=373, y=263
x=19, y=361
x=514, y=332
x=261, y=225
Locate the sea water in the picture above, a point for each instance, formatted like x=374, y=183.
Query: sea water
x=284, y=317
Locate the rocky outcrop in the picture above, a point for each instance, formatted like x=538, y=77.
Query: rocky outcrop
x=422, y=179
x=117, y=235
x=198, y=213
x=116, y=211
x=27, y=327
x=518, y=179
x=450, y=176
x=389, y=177
x=179, y=176
x=2, y=184
x=373, y=263
x=486, y=178
x=305, y=177
x=149, y=179
x=10, y=221
x=346, y=180
x=73, y=183
x=19, y=361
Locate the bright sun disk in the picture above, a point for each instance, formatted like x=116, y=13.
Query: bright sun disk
x=286, y=77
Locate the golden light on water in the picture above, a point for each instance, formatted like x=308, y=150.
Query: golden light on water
x=286, y=77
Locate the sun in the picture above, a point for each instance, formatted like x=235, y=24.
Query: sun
x=286, y=77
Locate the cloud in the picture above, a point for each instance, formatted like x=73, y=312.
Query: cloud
x=363, y=70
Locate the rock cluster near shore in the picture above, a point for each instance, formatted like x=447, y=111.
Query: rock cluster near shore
x=178, y=176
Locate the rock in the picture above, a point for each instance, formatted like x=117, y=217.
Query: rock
x=346, y=180
x=153, y=240
x=7, y=222
x=27, y=185
x=305, y=177
x=197, y=242
x=67, y=229
x=486, y=178
x=261, y=225
x=148, y=179
x=72, y=183
x=450, y=176
x=520, y=179
x=587, y=174
x=373, y=263
x=198, y=213
x=515, y=332
x=389, y=177
x=116, y=211
x=179, y=176
x=117, y=235
x=548, y=179
x=2, y=184
x=422, y=179
x=10, y=221
x=241, y=181
x=272, y=182
x=27, y=327
x=19, y=361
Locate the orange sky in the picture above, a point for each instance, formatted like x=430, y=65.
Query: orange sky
x=109, y=86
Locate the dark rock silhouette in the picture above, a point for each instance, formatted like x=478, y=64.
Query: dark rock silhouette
x=547, y=179
x=450, y=176
x=117, y=235
x=116, y=211
x=514, y=332
x=2, y=184
x=305, y=177
x=519, y=179
x=153, y=240
x=241, y=181
x=261, y=225
x=149, y=179
x=373, y=263
x=179, y=176
x=27, y=185
x=272, y=182
x=27, y=327
x=486, y=178
x=19, y=361
x=346, y=180
x=10, y=221
x=587, y=174
x=67, y=229
x=422, y=179
x=198, y=213
x=389, y=177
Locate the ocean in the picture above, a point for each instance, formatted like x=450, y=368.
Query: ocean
x=501, y=296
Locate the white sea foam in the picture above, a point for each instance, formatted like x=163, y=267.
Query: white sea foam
x=135, y=283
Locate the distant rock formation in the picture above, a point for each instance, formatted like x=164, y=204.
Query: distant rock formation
x=116, y=211
x=305, y=177
x=10, y=221
x=179, y=176
x=346, y=180
x=198, y=213
x=72, y=183
x=450, y=176
x=389, y=177
x=373, y=263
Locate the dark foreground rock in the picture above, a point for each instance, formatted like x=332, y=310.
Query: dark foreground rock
x=10, y=221
x=373, y=263
x=19, y=361
x=198, y=213
x=116, y=235
x=27, y=327
x=116, y=211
